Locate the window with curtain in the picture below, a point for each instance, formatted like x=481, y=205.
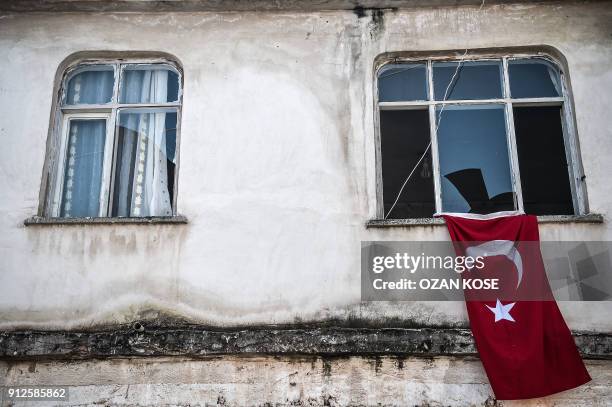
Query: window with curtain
x=117, y=140
x=476, y=135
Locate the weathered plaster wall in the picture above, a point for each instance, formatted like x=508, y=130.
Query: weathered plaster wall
x=276, y=162
x=267, y=381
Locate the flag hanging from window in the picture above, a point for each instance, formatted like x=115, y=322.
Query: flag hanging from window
x=525, y=346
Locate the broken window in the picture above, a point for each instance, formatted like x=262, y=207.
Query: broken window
x=474, y=159
x=406, y=139
x=117, y=140
x=476, y=136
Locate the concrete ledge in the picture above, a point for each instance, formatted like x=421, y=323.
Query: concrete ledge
x=384, y=223
x=234, y=5
x=40, y=221
x=588, y=218
x=194, y=341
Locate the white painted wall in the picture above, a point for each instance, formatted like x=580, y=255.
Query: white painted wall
x=277, y=162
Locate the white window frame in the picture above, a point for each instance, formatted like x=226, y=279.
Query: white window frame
x=576, y=173
x=110, y=112
x=61, y=169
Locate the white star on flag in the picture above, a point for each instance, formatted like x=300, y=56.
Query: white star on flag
x=502, y=311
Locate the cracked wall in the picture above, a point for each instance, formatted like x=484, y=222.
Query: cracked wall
x=276, y=163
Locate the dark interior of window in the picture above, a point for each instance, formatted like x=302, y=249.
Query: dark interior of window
x=533, y=78
x=171, y=127
x=475, y=80
x=401, y=82
x=542, y=160
x=404, y=138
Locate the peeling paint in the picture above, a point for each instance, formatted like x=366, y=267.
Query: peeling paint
x=277, y=174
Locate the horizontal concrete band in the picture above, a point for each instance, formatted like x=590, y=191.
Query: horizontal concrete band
x=193, y=341
x=235, y=5
x=594, y=218
x=149, y=220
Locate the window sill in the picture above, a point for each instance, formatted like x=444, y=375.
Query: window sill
x=384, y=223
x=152, y=220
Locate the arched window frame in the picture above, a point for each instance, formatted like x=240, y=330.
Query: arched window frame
x=565, y=101
x=53, y=172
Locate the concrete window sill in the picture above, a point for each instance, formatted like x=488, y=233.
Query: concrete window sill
x=152, y=220
x=385, y=223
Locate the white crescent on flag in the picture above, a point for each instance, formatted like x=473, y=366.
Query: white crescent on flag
x=499, y=248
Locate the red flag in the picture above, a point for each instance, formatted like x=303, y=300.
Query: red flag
x=525, y=346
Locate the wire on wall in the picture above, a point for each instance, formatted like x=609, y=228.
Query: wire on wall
x=449, y=87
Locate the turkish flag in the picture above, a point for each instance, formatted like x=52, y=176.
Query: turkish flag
x=525, y=346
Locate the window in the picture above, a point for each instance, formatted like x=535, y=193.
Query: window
x=117, y=140
x=476, y=136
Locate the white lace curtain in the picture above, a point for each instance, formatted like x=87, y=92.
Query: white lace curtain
x=83, y=172
x=142, y=187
